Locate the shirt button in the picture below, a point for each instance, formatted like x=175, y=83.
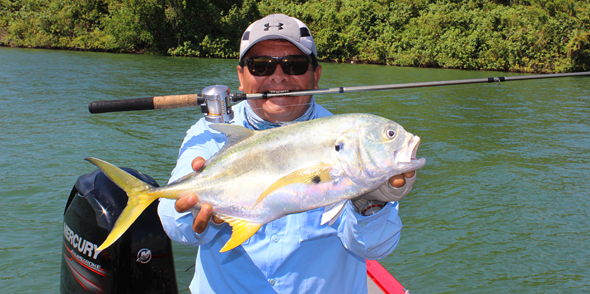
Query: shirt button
x=363, y=224
x=272, y=281
x=275, y=239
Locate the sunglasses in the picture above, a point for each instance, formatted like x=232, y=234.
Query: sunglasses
x=266, y=65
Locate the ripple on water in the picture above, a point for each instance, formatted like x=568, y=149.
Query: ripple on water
x=501, y=205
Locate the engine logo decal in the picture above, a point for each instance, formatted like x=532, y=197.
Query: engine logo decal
x=144, y=255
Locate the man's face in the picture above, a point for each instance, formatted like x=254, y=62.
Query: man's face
x=278, y=108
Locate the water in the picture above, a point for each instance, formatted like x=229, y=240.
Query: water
x=501, y=206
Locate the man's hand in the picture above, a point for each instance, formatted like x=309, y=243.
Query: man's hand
x=399, y=181
x=398, y=187
x=185, y=203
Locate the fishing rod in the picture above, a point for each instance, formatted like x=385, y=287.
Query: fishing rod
x=215, y=101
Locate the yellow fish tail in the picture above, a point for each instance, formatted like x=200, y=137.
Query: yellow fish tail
x=139, y=193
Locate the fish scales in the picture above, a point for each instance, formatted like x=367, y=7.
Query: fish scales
x=260, y=176
x=286, y=155
x=246, y=183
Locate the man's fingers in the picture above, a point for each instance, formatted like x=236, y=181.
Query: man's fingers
x=397, y=181
x=198, y=163
x=216, y=220
x=185, y=203
x=202, y=218
x=410, y=174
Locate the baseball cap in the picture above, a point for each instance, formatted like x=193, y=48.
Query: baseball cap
x=278, y=27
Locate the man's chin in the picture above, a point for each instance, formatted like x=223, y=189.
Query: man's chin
x=282, y=100
x=287, y=102
x=279, y=112
x=282, y=108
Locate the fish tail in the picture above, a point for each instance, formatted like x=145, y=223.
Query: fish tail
x=241, y=231
x=139, y=193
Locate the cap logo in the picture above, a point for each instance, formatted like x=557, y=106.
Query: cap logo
x=267, y=26
x=281, y=27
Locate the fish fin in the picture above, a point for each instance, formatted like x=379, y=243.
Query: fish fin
x=234, y=133
x=316, y=174
x=134, y=208
x=332, y=212
x=241, y=231
x=139, y=198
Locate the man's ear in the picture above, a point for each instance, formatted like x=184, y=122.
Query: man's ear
x=241, y=77
x=317, y=73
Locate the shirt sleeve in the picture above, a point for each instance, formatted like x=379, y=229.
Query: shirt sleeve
x=371, y=237
x=177, y=225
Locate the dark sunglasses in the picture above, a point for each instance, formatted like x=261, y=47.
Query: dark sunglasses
x=266, y=65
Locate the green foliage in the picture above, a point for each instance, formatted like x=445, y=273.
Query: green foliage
x=210, y=29
x=157, y=26
x=507, y=35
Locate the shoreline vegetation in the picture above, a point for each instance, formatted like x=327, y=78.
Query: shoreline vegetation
x=534, y=36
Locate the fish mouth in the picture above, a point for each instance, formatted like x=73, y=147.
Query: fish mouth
x=406, y=157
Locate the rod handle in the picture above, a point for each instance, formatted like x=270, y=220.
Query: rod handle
x=158, y=102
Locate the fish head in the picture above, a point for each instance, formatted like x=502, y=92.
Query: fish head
x=377, y=149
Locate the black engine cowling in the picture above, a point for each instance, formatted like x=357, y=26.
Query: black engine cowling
x=141, y=261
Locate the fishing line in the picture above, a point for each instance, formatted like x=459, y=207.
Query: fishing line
x=412, y=92
x=417, y=93
x=284, y=106
x=409, y=93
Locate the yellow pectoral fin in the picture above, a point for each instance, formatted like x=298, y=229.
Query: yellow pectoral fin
x=316, y=174
x=241, y=231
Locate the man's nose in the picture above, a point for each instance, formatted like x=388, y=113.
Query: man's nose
x=279, y=75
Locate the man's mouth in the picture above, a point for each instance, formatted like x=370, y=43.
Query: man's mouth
x=278, y=92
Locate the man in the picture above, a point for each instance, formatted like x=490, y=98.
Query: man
x=293, y=254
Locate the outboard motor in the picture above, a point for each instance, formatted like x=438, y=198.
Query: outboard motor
x=141, y=261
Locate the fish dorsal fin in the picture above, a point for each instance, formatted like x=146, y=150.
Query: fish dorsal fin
x=332, y=212
x=315, y=174
x=234, y=133
x=241, y=231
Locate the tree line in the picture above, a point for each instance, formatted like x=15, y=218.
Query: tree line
x=505, y=35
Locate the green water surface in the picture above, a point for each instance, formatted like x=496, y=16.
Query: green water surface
x=501, y=206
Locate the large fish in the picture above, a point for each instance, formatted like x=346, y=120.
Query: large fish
x=260, y=176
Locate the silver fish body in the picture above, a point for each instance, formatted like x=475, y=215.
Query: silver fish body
x=260, y=176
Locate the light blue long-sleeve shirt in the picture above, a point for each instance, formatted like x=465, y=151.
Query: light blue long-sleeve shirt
x=293, y=254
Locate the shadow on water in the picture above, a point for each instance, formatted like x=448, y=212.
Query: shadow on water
x=501, y=205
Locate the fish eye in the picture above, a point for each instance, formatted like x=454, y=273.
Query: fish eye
x=390, y=134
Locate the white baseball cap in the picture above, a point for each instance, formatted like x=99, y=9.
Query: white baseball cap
x=278, y=27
